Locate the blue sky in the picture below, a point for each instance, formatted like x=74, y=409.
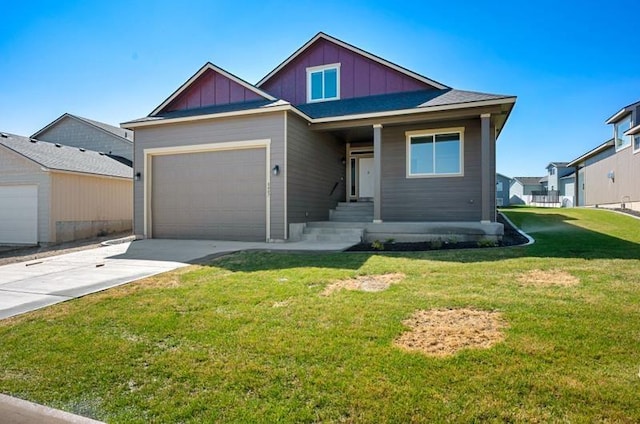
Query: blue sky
x=572, y=64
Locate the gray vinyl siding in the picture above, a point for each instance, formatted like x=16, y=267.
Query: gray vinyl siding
x=437, y=198
x=246, y=128
x=314, y=166
x=17, y=170
x=71, y=132
x=600, y=190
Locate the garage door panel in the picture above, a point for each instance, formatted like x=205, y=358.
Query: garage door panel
x=19, y=214
x=210, y=195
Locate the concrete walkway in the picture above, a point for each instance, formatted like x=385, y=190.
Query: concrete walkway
x=31, y=285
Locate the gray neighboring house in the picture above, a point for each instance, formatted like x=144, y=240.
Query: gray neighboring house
x=609, y=175
x=333, y=133
x=76, y=131
x=50, y=193
x=559, y=186
x=522, y=188
x=503, y=185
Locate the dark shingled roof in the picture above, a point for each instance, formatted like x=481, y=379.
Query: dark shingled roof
x=395, y=101
x=210, y=110
x=65, y=158
x=529, y=180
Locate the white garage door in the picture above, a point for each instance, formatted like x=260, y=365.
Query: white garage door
x=216, y=195
x=19, y=214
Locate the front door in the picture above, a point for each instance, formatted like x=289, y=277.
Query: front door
x=365, y=177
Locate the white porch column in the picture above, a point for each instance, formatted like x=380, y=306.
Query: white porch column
x=485, y=168
x=377, y=169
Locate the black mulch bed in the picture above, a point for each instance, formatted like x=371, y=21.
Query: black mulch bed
x=629, y=212
x=511, y=238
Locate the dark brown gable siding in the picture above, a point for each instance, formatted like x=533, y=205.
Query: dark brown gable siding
x=431, y=199
x=210, y=89
x=359, y=75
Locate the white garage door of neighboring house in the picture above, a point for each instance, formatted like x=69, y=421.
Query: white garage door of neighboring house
x=19, y=214
x=216, y=195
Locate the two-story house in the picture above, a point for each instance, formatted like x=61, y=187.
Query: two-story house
x=332, y=126
x=609, y=175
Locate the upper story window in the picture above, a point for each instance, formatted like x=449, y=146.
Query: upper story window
x=552, y=171
x=619, y=129
x=435, y=153
x=323, y=83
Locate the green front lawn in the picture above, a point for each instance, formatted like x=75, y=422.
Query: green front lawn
x=250, y=338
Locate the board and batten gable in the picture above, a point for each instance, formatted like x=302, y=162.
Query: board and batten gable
x=444, y=198
x=264, y=126
x=18, y=170
x=211, y=89
x=360, y=76
x=315, y=172
x=75, y=133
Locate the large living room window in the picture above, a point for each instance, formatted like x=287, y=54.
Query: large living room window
x=619, y=129
x=435, y=153
x=323, y=83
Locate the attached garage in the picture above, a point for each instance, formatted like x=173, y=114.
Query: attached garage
x=19, y=214
x=214, y=191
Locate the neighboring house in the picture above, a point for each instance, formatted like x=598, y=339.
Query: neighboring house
x=503, y=183
x=221, y=158
x=522, y=189
x=50, y=193
x=609, y=175
x=76, y=131
x=558, y=187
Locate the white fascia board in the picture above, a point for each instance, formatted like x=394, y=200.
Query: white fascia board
x=268, y=109
x=633, y=131
x=288, y=107
x=615, y=118
x=89, y=174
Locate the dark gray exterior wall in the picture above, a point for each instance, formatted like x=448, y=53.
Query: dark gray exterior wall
x=71, y=132
x=314, y=166
x=438, y=198
x=245, y=128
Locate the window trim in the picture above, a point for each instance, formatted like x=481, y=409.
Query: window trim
x=615, y=133
x=433, y=132
x=313, y=69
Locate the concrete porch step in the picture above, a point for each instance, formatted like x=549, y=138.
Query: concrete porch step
x=333, y=231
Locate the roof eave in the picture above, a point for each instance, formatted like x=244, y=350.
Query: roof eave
x=159, y=121
x=604, y=146
x=633, y=131
x=354, y=49
x=507, y=101
x=616, y=117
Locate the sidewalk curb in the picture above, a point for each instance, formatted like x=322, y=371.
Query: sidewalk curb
x=21, y=411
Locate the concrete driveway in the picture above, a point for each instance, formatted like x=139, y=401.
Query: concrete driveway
x=38, y=283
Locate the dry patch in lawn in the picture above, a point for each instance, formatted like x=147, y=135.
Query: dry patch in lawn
x=444, y=332
x=549, y=278
x=367, y=283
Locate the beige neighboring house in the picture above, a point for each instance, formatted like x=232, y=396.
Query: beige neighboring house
x=52, y=193
x=609, y=175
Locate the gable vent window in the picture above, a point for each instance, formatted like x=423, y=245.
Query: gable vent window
x=323, y=83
